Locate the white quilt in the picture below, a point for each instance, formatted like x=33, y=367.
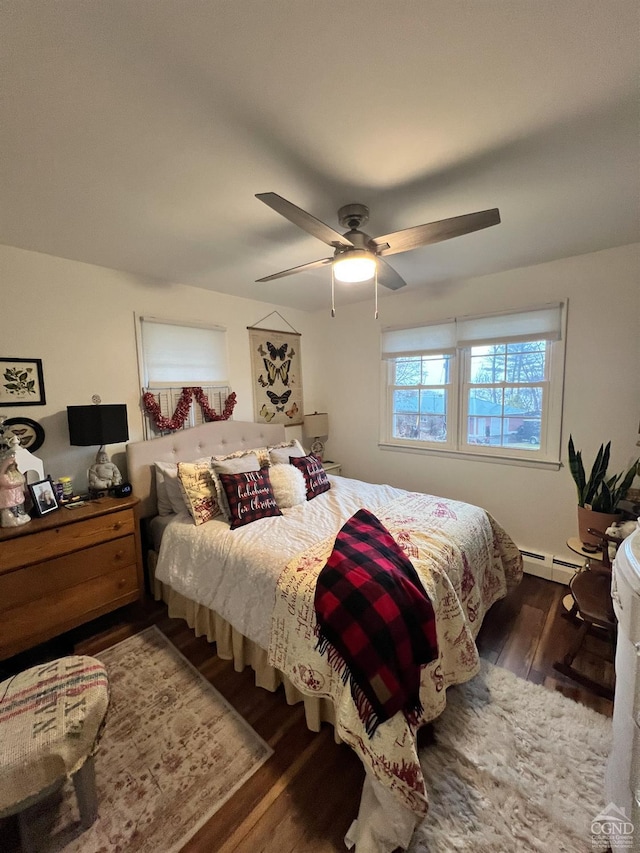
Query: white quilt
x=235, y=572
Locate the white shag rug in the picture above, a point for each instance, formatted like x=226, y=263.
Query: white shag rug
x=515, y=768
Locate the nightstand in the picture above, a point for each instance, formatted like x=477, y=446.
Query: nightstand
x=332, y=467
x=67, y=568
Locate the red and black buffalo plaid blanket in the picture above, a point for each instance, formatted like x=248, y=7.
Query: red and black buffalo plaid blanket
x=376, y=623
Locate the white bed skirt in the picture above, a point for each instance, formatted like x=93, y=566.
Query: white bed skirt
x=232, y=645
x=383, y=824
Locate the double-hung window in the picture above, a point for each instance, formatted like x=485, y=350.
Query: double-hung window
x=175, y=355
x=487, y=386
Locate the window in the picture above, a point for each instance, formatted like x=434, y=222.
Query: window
x=488, y=386
x=175, y=355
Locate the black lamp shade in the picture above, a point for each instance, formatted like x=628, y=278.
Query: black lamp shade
x=98, y=424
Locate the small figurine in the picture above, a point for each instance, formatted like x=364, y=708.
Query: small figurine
x=12, y=482
x=103, y=474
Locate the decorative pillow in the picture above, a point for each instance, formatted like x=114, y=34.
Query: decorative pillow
x=315, y=476
x=279, y=453
x=234, y=464
x=199, y=490
x=249, y=496
x=288, y=484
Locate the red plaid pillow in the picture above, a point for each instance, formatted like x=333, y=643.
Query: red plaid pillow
x=315, y=477
x=250, y=496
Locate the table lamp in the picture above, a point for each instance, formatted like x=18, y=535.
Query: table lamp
x=98, y=424
x=316, y=426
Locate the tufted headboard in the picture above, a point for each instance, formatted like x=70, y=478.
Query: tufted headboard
x=214, y=439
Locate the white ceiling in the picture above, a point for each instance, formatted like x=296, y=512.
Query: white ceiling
x=135, y=133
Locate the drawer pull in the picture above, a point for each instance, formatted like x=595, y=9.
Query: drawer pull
x=118, y=555
x=118, y=525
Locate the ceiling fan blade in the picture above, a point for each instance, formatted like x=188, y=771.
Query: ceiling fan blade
x=302, y=268
x=388, y=277
x=435, y=232
x=304, y=220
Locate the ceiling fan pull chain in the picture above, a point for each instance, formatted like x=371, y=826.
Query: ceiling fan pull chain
x=333, y=293
x=375, y=290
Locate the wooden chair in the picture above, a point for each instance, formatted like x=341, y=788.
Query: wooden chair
x=593, y=608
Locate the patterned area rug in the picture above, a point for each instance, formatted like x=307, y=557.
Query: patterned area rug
x=172, y=752
x=514, y=767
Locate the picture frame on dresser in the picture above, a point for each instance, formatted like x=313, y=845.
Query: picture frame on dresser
x=43, y=497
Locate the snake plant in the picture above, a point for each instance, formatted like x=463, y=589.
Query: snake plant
x=599, y=493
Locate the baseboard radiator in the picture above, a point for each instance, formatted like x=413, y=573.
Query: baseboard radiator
x=548, y=566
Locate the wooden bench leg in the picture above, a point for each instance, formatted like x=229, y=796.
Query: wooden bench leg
x=26, y=844
x=84, y=781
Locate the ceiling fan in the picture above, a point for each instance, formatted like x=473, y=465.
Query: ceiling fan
x=359, y=257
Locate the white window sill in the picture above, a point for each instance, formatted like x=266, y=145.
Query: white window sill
x=480, y=456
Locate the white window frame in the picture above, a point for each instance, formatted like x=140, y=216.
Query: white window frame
x=451, y=408
x=167, y=392
x=457, y=445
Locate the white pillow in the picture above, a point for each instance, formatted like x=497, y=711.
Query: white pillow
x=169, y=495
x=162, y=498
x=288, y=485
x=279, y=453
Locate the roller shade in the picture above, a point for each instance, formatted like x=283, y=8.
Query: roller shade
x=437, y=339
x=181, y=355
x=540, y=324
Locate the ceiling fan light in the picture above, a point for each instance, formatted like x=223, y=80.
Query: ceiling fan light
x=354, y=266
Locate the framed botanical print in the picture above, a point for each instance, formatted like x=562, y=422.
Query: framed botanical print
x=21, y=382
x=276, y=368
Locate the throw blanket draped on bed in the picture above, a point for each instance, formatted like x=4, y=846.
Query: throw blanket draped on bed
x=376, y=623
x=465, y=562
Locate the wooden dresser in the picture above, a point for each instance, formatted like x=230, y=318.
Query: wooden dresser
x=67, y=568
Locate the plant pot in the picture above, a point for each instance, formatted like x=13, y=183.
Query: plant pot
x=589, y=518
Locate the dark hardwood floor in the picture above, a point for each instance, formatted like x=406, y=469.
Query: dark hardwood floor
x=304, y=797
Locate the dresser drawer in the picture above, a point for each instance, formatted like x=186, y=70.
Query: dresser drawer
x=32, y=622
x=27, y=550
x=43, y=579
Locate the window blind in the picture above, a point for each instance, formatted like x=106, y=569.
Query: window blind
x=539, y=324
x=544, y=323
x=181, y=355
x=439, y=338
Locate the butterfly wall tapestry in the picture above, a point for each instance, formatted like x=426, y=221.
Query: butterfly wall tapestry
x=276, y=367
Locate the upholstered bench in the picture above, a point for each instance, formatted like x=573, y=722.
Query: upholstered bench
x=51, y=717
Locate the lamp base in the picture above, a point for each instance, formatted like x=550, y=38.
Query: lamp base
x=317, y=448
x=94, y=494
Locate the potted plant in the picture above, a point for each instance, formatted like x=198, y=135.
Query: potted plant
x=598, y=496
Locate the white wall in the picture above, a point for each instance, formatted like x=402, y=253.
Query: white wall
x=601, y=401
x=79, y=319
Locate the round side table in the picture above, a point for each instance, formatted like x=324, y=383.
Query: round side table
x=575, y=545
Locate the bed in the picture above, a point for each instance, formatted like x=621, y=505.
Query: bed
x=251, y=591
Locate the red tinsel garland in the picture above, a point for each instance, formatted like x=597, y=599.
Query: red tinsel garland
x=178, y=418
